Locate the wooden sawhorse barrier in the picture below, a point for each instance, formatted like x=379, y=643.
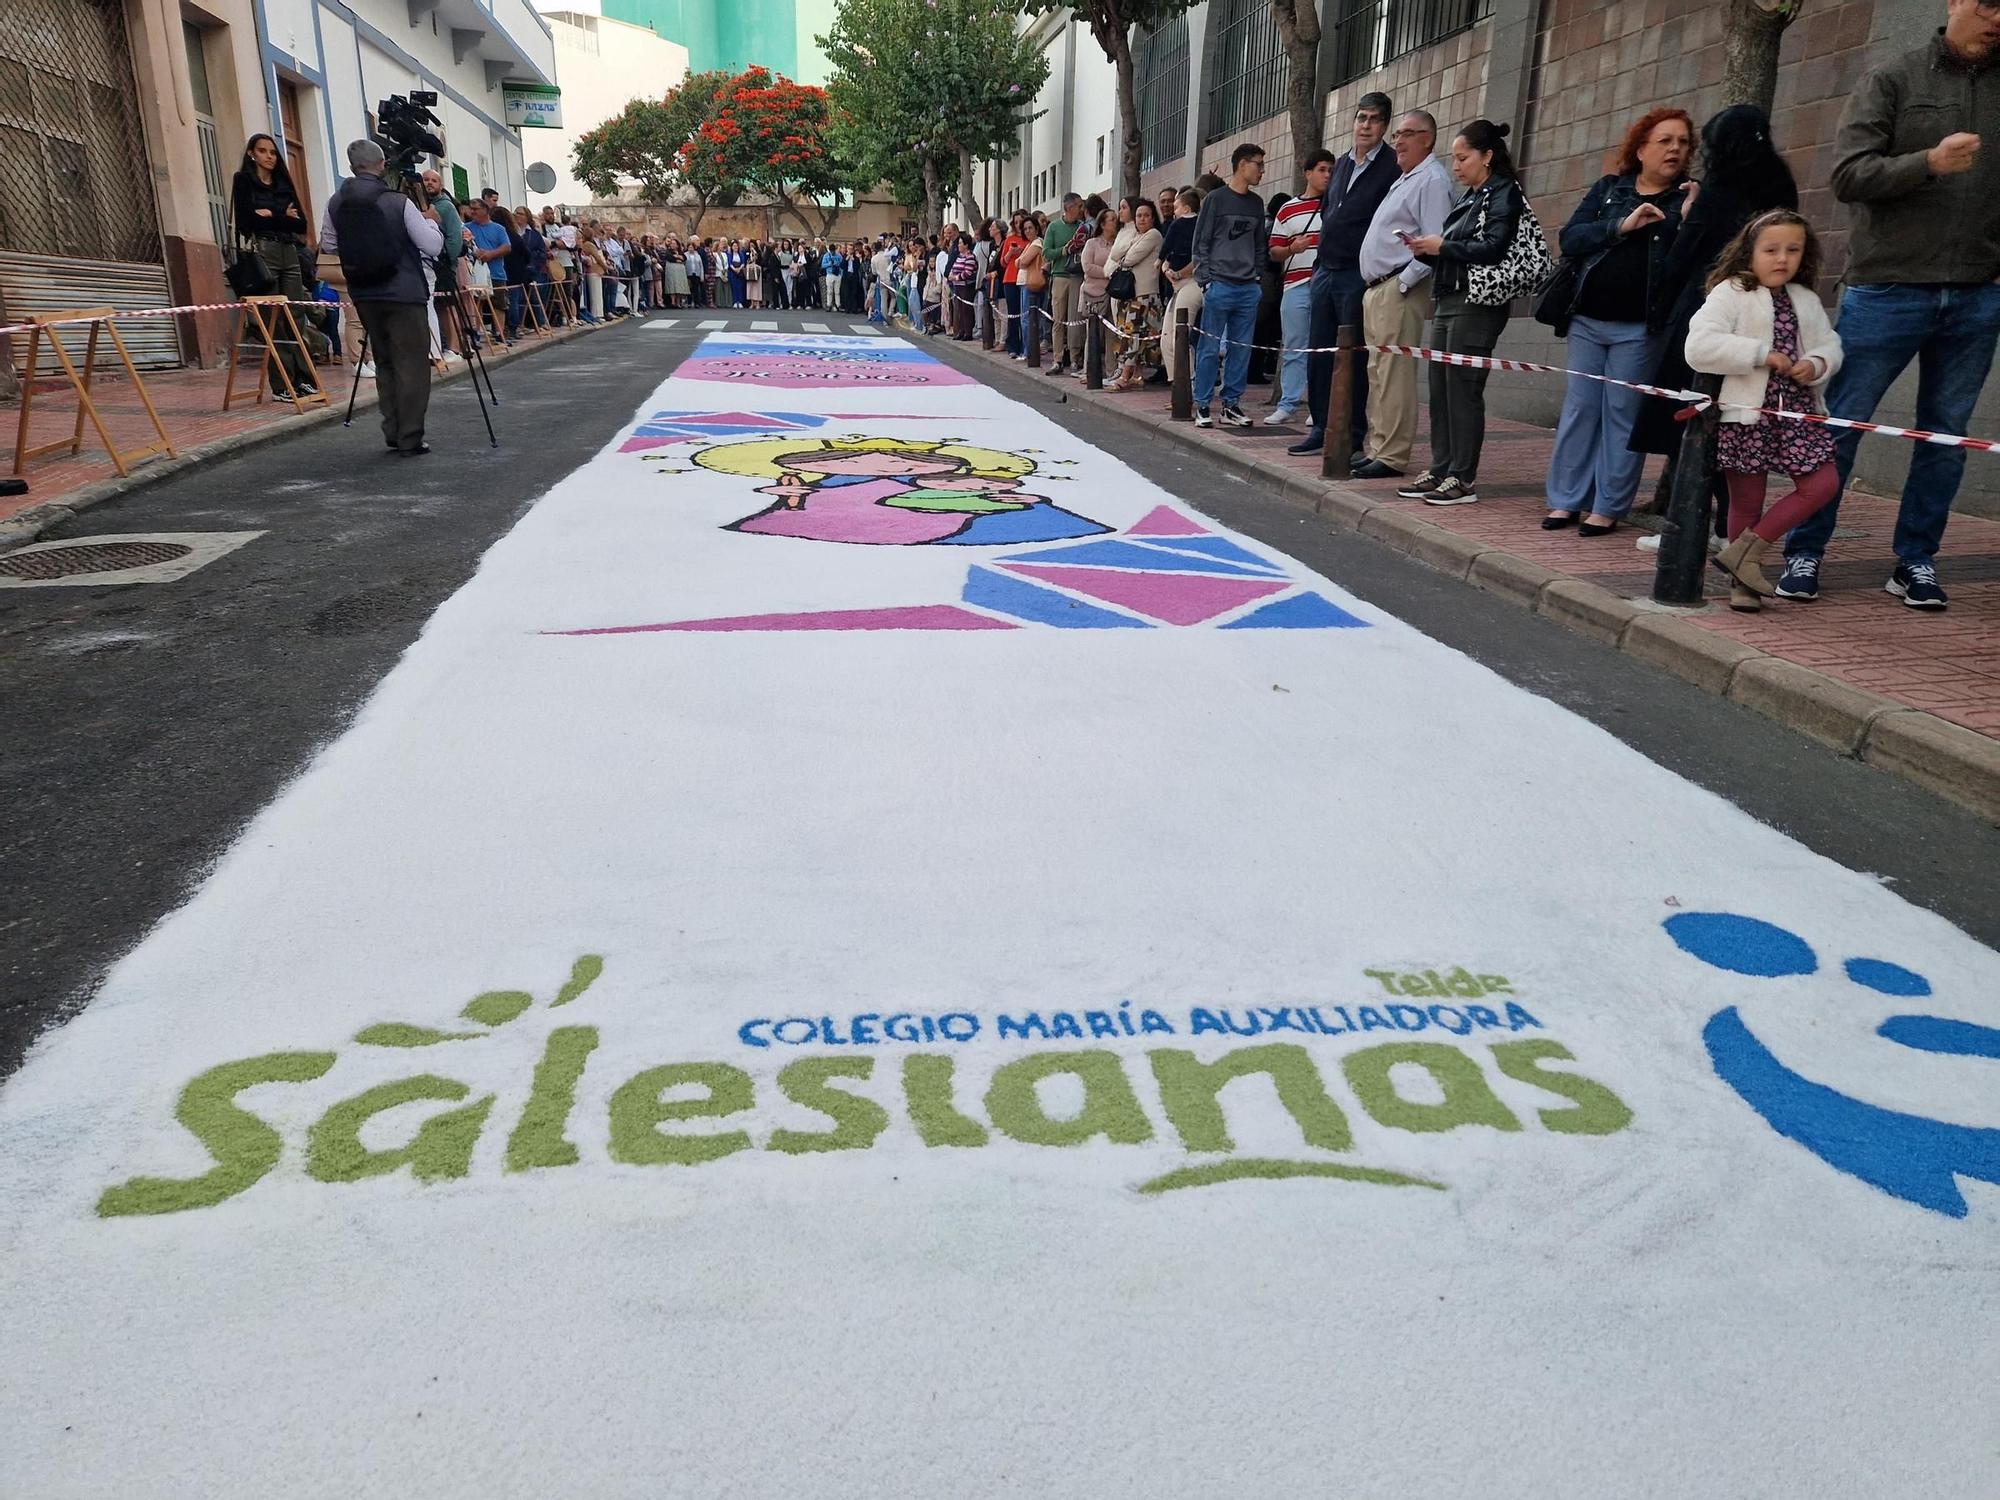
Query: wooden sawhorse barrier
x=98, y=318
x=261, y=313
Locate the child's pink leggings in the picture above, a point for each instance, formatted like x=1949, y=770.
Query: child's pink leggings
x=1813, y=492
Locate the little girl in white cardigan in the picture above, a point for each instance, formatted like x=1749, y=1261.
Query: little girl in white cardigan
x=1764, y=331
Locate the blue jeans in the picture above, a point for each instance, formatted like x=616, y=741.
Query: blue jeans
x=1592, y=467
x=1950, y=331
x=1336, y=299
x=1228, y=311
x=1295, y=317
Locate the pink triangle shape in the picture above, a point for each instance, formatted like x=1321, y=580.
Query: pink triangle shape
x=904, y=617
x=1175, y=598
x=1160, y=521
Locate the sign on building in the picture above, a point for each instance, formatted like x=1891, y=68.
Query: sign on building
x=532, y=106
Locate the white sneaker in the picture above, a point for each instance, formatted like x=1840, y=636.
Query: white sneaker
x=367, y=369
x=452, y=357
x=1280, y=416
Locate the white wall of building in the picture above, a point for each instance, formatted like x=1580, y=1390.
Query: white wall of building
x=344, y=56
x=603, y=65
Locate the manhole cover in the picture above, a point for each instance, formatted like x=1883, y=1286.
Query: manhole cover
x=89, y=557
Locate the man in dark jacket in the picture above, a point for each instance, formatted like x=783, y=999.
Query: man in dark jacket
x=382, y=239
x=1361, y=179
x=1920, y=277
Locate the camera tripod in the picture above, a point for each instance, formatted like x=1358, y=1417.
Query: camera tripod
x=452, y=300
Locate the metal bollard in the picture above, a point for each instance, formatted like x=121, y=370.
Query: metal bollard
x=1183, y=408
x=1031, y=335
x=1683, y=560
x=1093, y=353
x=1337, y=450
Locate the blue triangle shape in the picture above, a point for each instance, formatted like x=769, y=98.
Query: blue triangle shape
x=1038, y=523
x=1213, y=546
x=1297, y=612
x=1115, y=554
x=1030, y=601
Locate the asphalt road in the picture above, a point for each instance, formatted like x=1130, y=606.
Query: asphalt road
x=146, y=724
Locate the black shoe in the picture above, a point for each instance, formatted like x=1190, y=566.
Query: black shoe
x=1800, y=580
x=1584, y=528
x=1312, y=442
x=1057, y=370
x=1559, y=523
x=1232, y=416
x=417, y=452
x=1202, y=418
x=1917, y=586
x=1374, y=468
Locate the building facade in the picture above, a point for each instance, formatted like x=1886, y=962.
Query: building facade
x=1569, y=75
x=123, y=122
x=737, y=34
x=604, y=64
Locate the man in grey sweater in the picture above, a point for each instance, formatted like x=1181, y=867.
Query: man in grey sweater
x=1920, y=277
x=1228, y=265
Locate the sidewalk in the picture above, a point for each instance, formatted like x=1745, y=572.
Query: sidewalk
x=190, y=404
x=1913, y=692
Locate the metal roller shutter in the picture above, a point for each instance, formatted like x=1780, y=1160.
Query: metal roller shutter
x=48, y=283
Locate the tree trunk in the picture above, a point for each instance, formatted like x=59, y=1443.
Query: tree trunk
x=1751, y=32
x=1132, y=148
x=1298, y=27
x=974, y=218
x=933, y=197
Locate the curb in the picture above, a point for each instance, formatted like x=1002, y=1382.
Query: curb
x=1954, y=762
x=28, y=525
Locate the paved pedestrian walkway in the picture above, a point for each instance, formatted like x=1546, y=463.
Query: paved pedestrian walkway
x=189, y=402
x=1947, y=664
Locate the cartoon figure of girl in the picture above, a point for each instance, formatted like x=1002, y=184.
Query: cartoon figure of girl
x=894, y=492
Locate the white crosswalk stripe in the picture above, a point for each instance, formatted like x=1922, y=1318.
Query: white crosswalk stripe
x=712, y=323
x=815, y=328
x=661, y=322
x=763, y=325
x=865, y=328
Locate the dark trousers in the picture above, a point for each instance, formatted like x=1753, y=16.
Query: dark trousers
x=1336, y=299
x=1458, y=395
x=399, y=339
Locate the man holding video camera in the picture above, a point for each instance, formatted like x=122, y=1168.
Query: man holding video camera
x=382, y=239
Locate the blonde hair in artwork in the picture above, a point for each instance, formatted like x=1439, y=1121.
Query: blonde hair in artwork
x=767, y=458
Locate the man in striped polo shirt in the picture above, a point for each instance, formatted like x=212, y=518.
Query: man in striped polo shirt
x=1295, y=247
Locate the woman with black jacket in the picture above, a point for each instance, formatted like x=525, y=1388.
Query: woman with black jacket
x=1742, y=176
x=1478, y=231
x=1617, y=241
x=270, y=216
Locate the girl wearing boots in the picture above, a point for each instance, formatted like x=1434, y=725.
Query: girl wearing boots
x=1764, y=331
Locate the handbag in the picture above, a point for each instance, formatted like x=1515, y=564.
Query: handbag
x=1121, y=285
x=1522, y=272
x=1557, y=304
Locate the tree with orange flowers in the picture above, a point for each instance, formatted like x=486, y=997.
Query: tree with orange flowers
x=788, y=150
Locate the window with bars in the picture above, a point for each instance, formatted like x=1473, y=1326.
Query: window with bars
x=1369, y=33
x=1247, y=83
x=73, y=174
x=1160, y=90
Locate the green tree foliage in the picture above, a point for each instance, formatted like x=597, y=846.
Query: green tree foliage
x=791, y=158
x=921, y=87
x=1111, y=23
x=686, y=142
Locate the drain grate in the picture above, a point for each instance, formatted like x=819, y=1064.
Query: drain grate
x=89, y=557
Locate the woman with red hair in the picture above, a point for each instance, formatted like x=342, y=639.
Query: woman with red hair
x=1616, y=243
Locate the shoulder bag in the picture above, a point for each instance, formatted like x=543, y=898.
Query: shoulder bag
x=247, y=272
x=1523, y=271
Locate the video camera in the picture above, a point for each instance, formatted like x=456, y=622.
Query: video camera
x=401, y=122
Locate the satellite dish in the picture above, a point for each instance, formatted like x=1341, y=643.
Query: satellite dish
x=541, y=178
